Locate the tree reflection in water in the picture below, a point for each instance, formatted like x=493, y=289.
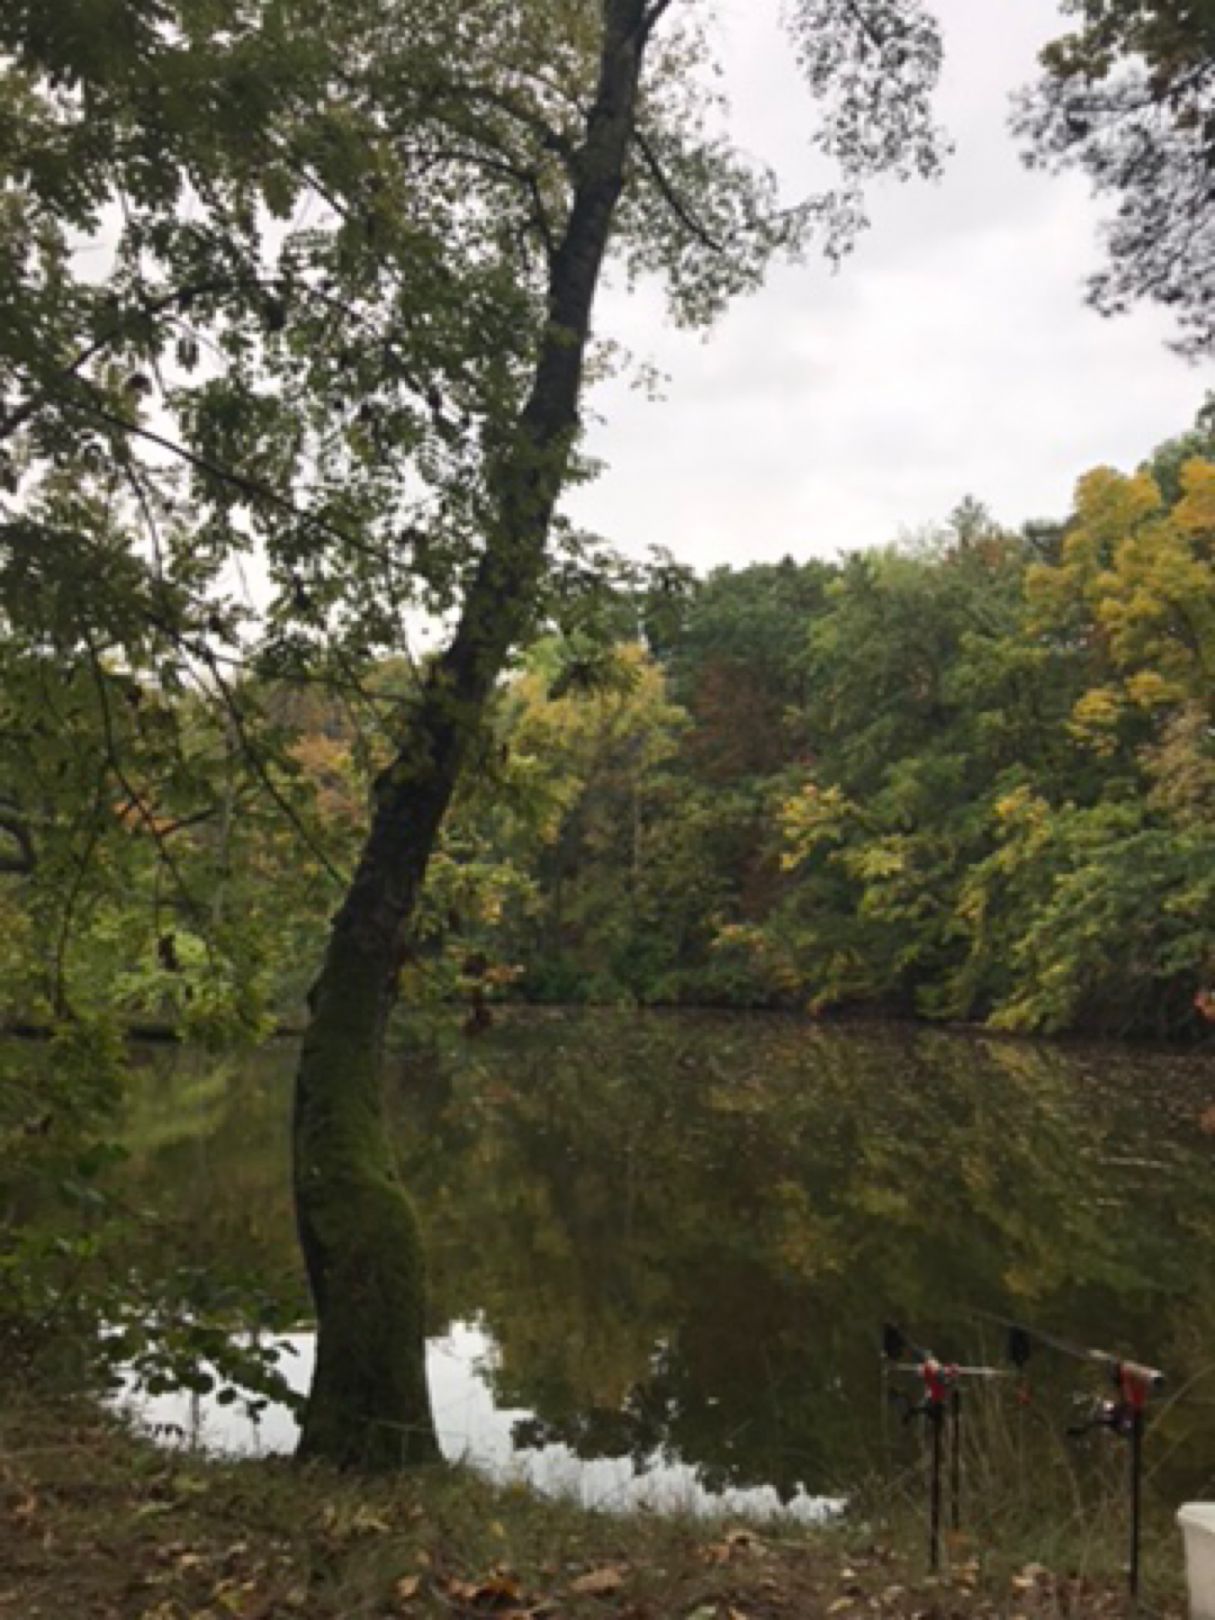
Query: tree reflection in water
x=683, y=1231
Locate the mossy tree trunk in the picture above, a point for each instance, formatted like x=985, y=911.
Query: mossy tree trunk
x=369, y=1404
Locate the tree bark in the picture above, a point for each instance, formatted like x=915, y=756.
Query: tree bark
x=369, y=1405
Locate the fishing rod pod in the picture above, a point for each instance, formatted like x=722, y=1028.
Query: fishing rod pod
x=941, y=1402
x=1123, y=1415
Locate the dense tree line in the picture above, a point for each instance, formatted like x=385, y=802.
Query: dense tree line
x=969, y=777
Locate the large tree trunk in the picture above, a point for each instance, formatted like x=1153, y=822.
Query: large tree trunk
x=369, y=1404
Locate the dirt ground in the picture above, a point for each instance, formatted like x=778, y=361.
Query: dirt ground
x=98, y=1524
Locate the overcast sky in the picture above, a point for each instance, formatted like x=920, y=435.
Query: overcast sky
x=952, y=354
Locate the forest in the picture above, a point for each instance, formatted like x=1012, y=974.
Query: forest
x=968, y=777
x=427, y=921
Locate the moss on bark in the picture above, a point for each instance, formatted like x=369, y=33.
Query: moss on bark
x=369, y=1406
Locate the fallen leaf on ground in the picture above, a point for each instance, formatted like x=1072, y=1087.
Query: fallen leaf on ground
x=733, y=1544
x=599, y=1582
x=498, y=1591
x=407, y=1587
x=1034, y=1572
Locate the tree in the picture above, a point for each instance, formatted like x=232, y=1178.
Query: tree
x=918, y=703
x=1128, y=98
x=1119, y=890
x=359, y=354
x=590, y=822
x=368, y=1402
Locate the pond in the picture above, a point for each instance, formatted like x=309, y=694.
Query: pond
x=662, y=1246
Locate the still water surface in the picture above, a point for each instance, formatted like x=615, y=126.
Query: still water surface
x=662, y=1246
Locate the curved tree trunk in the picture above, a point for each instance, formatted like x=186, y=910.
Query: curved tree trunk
x=369, y=1404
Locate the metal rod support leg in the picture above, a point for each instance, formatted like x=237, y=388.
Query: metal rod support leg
x=936, y=1417
x=1136, y=1499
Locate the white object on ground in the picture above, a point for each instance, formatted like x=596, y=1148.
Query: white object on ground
x=1197, y=1521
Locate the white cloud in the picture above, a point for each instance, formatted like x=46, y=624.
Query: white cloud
x=952, y=354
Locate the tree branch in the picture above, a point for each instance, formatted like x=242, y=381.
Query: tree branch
x=654, y=16
x=16, y=827
x=250, y=487
x=21, y=414
x=62, y=1009
x=551, y=138
x=865, y=26
x=674, y=201
x=258, y=766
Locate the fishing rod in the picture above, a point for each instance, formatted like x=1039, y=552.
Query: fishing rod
x=1127, y=1374
x=1124, y=1415
x=942, y=1395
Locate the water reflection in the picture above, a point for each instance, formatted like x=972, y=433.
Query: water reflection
x=473, y=1428
x=681, y=1233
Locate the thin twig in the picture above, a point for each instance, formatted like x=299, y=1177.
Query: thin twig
x=21, y=414
x=259, y=769
x=133, y=794
x=251, y=487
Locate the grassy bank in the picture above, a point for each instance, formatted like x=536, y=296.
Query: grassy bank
x=98, y=1524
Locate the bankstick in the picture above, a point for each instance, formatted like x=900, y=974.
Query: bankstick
x=1123, y=1414
x=940, y=1402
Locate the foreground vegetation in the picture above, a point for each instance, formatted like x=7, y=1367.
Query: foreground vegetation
x=99, y=1524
